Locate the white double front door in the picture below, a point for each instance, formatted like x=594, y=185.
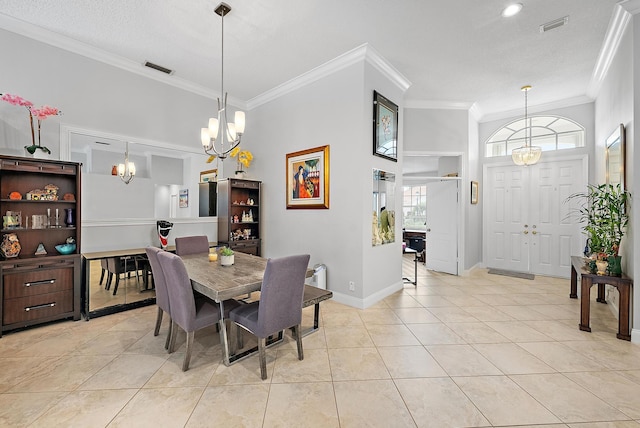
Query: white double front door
x=527, y=223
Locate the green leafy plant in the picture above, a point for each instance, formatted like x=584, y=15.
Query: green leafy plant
x=603, y=210
x=226, y=251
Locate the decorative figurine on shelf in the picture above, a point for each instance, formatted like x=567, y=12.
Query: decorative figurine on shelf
x=10, y=246
x=250, y=216
x=235, y=219
x=164, y=227
x=70, y=218
x=40, y=251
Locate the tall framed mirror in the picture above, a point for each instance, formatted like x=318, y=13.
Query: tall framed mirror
x=383, y=221
x=615, y=157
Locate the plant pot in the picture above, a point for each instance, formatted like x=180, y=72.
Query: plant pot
x=615, y=268
x=240, y=174
x=602, y=267
x=226, y=260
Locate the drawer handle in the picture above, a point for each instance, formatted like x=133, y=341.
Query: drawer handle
x=43, y=282
x=46, y=305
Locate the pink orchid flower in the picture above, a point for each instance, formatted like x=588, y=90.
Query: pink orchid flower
x=16, y=100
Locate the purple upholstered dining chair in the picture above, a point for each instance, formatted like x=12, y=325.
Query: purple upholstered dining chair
x=192, y=245
x=280, y=304
x=187, y=312
x=162, y=294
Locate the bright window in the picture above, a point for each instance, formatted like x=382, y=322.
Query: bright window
x=548, y=132
x=414, y=207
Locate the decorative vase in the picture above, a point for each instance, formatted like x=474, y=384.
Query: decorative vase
x=226, y=260
x=615, y=268
x=240, y=174
x=70, y=217
x=10, y=246
x=602, y=267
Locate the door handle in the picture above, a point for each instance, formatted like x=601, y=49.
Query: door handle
x=526, y=232
x=428, y=230
x=534, y=233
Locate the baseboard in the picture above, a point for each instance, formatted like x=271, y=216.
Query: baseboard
x=371, y=300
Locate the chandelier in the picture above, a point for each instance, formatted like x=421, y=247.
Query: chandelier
x=527, y=154
x=126, y=170
x=222, y=136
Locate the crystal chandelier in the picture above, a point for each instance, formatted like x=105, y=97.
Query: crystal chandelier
x=126, y=170
x=222, y=136
x=527, y=154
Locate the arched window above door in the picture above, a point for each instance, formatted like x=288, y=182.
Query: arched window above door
x=549, y=132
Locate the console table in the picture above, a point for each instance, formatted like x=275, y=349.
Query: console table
x=587, y=279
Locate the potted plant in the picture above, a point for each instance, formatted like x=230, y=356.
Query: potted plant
x=603, y=211
x=226, y=256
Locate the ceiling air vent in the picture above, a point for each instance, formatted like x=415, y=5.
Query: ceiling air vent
x=552, y=25
x=158, y=67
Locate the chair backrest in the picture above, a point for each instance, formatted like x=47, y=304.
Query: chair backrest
x=183, y=305
x=192, y=245
x=281, y=294
x=416, y=244
x=162, y=294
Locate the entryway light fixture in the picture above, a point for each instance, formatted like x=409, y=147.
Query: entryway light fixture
x=222, y=136
x=126, y=170
x=527, y=154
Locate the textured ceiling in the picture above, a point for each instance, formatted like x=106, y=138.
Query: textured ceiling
x=452, y=51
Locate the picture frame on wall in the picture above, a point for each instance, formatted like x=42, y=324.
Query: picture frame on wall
x=385, y=127
x=183, y=199
x=308, y=179
x=210, y=175
x=474, y=192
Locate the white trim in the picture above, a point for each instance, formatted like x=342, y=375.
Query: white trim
x=615, y=31
x=569, y=102
x=635, y=335
x=63, y=42
x=65, y=141
x=376, y=297
x=119, y=222
x=632, y=6
x=363, y=52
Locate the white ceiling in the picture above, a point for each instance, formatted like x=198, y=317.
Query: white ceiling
x=454, y=52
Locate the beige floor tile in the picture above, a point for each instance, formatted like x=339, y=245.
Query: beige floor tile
x=343, y=318
x=435, y=334
x=410, y=362
x=614, y=354
x=125, y=371
x=434, y=301
x=357, y=364
x=558, y=312
x=170, y=374
x=465, y=300
x=86, y=409
x=391, y=335
x=496, y=299
x=161, y=407
x=561, y=331
x=401, y=300
x=438, y=402
x=522, y=313
x=476, y=332
x=613, y=388
x=231, y=406
x=416, y=315
x=14, y=371
x=512, y=359
x=617, y=424
x=569, y=401
x=503, y=402
x=313, y=368
x=560, y=357
x=462, y=360
x=453, y=314
x=347, y=337
x=379, y=316
x=246, y=371
x=21, y=409
x=301, y=404
x=487, y=313
x=63, y=374
x=373, y=403
x=110, y=342
x=517, y=331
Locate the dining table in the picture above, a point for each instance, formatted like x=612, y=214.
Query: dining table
x=220, y=283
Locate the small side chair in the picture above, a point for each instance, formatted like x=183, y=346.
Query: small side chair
x=162, y=294
x=279, y=307
x=192, y=245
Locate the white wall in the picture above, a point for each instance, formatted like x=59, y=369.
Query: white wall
x=436, y=130
x=617, y=103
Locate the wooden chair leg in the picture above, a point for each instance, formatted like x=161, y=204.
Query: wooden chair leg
x=102, y=275
x=187, y=355
x=158, y=322
x=172, y=341
x=107, y=285
x=166, y=343
x=296, y=330
x=263, y=357
x=115, y=288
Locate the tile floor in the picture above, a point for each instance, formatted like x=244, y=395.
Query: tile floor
x=470, y=351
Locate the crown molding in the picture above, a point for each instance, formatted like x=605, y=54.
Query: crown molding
x=540, y=108
x=442, y=105
x=361, y=53
x=631, y=6
x=80, y=48
x=617, y=26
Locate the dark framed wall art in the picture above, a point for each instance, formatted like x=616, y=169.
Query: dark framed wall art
x=385, y=127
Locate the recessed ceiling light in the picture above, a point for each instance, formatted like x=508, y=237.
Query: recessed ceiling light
x=512, y=9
